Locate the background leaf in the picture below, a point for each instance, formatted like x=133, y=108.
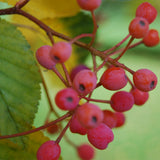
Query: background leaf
x=76, y=25
x=49, y=8
x=9, y=150
x=19, y=82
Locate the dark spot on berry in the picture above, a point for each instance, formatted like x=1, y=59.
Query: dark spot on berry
x=152, y=84
x=94, y=119
x=69, y=99
x=142, y=23
x=56, y=58
x=81, y=87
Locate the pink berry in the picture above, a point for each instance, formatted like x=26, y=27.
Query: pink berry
x=145, y=80
x=60, y=52
x=147, y=11
x=76, y=70
x=114, y=78
x=138, y=27
x=85, y=152
x=120, y=119
x=67, y=99
x=151, y=38
x=43, y=57
x=76, y=127
x=89, y=4
x=89, y=115
x=100, y=136
x=122, y=101
x=85, y=82
x=49, y=151
x=140, y=97
x=110, y=118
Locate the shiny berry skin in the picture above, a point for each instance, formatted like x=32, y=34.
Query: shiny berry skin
x=76, y=127
x=84, y=82
x=151, y=38
x=89, y=5
x=85, y=152
x=89, y=115
x=138, y=27
x=114, y=78
x=67, y=99
x=147, y=11
x=122, y=101
x=140, y=97
x=76, y=70
x=100, y=136
x=145, y=80
x=49, y=151
x=110, y=118
x=120, y=119
x=60, y=52
x=43, y=57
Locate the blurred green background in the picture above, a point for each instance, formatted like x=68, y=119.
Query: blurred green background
x=139, y=139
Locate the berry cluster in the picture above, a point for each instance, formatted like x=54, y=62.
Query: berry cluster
x=86, y=117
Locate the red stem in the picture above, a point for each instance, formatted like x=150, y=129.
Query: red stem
x=125, y=49
x=63, y=132
x=132, y=46
x=54, y=69
x=39, y=128
x=81, y=36
x=67, y=75
x=97, y=100
x=95, y=27
x=21, y=3
x=117, y=45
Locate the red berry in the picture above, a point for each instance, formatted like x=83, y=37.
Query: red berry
x=147, y=11
x=89, y=4
x=151, y=38
x=110, y=118
x=52, y=129
x=100, y=136
x=89, y=115
x=139, y=97
x=138, y=27
x=114, y=78
x=145, y=80
x=76, y=70
x=120, y=119
x=49, y=151
x=60, y=52
x=76, y=127
x=43, y=57
x=122, y=101
x=85, y=82
x=67, y=99
x=85, y=152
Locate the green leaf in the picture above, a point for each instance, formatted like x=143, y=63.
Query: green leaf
x=76, y=25
x=19, y=82
x=9, y=150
